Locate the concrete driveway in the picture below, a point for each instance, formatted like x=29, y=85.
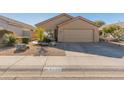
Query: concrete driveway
x=92, y=49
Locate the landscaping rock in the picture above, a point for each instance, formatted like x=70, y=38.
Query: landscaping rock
x=44, y=43
x=53, y=43
x=21, y=47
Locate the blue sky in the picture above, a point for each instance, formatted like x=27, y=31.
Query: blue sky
x=33, y=18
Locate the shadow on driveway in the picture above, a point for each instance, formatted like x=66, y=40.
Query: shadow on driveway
x=101, y=49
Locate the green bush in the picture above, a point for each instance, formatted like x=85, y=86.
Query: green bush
x=9, y=39
x=46, y=39
x=25, y=40
x=112, y=32
x=110, y=29
x=119, y=34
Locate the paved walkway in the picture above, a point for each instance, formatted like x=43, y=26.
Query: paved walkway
x=64, y=67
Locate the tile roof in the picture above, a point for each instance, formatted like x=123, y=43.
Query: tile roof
x=16, y=23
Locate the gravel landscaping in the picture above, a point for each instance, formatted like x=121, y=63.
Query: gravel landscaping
x=11, y=51
x=32, y=51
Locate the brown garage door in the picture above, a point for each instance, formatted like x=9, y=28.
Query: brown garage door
x=77, y=35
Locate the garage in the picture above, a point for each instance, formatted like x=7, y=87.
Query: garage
x=78, y=29
x=78, y=35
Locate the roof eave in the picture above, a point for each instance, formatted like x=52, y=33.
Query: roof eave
x=17, y=23
x=78, y=17
x=43, y=22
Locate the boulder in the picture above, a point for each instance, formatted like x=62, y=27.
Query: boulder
x=21, y=47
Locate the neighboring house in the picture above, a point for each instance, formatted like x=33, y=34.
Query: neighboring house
x=21, y=30
x=67, y=28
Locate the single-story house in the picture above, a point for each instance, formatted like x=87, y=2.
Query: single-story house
x=67, y=28
x=20, y=29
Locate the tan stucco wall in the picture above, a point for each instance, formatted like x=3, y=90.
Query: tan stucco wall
x=96, y=35
x=78, y=25
x=17, y=30
x=51, y=25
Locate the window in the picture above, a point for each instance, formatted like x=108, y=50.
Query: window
x=26, y=33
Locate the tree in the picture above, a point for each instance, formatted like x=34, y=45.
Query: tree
x=111, y=28
x=39, y=34
x=99, y=23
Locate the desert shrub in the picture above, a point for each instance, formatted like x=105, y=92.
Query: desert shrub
x=119, y=34
x=9, y=39
x=112, y=32
x=48, y=36
x=25, y=40
x=110, y=29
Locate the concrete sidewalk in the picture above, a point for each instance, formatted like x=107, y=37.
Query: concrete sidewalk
x=64, y=67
